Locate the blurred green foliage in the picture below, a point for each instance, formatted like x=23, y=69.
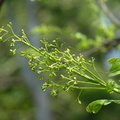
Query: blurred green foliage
x=15, y=103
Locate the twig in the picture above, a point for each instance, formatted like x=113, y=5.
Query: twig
x=109, y=13
x=107, y=44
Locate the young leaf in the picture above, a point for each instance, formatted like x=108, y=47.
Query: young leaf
x=95, y=106
x=114, y=74
x=112, y=60
x=115, y=69
x=115, y=66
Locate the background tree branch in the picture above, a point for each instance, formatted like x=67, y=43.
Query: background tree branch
x=107, y=44
x=109, y=13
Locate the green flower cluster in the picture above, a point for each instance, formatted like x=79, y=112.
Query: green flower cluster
x=71, y=71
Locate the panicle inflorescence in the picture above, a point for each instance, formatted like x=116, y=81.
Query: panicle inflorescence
x=71, y=71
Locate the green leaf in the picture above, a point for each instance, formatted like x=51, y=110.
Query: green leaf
x=115, y=69
x=114, y=74
x=95, y=106
x=115, y=66
x=112, y=60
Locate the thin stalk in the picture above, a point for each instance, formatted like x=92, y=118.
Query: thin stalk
x=99, y=79
x=81, y=82
x=96, y=71
x=90, y=88
x=29, y=45
x=88, y=78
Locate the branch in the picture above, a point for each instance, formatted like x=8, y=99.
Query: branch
x=107, y=44
x=108, y=13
